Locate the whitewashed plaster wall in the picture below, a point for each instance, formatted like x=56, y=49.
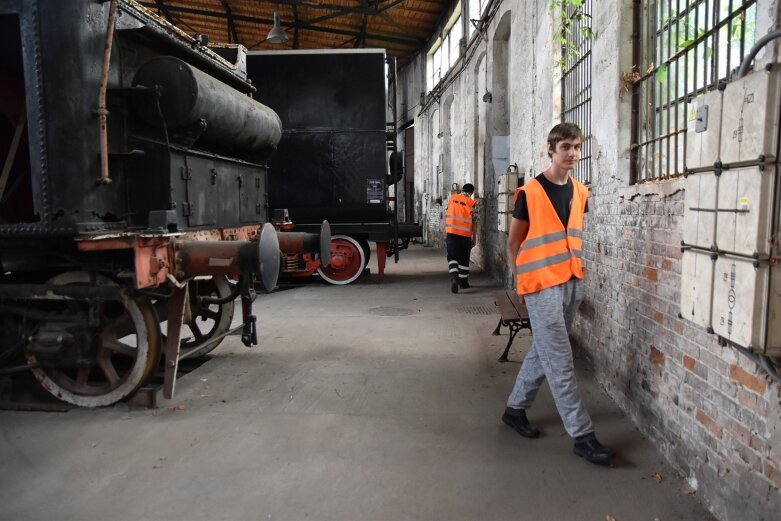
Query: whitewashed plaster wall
x=709, y=410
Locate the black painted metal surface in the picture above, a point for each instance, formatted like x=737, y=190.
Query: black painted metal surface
x=188, y=96
x=51, y=65
x=331, y=162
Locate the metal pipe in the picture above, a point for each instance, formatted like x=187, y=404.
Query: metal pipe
x=102, y=110
x=755, y=49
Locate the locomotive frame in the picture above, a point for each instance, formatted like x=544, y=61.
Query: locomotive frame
x=133, y=195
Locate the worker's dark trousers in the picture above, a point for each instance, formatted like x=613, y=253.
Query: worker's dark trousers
x=458, y=249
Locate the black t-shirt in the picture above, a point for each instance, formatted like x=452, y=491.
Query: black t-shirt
x=560, y=197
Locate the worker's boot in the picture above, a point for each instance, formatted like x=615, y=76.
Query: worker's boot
x=588, y=447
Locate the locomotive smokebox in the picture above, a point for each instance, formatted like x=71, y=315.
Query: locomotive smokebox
x=188, y=96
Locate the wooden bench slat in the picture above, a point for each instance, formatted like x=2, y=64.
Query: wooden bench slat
x=506, y=307
x=519, y=306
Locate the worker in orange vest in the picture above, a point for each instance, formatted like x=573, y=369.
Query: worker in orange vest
x=544, y=250
x=460, y=236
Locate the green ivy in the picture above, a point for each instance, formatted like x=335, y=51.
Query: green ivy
x=571, y=12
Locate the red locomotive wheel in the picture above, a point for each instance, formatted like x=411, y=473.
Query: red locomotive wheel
x=127, y=348
x=347, y=261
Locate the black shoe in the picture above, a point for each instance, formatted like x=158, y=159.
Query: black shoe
x=521, y=424
x=454, y=286
x=594, y=451
x=464, y=284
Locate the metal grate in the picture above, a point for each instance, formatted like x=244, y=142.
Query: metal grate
x=478, y=310
x=682, y=49
x=576, y=80
x=392, y=312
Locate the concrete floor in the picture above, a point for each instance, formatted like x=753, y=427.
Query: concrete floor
x=379, y=400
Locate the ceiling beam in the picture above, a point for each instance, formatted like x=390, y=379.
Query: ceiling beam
x=161, y=8
x=403, y=40
x=340, y=11
x=296, y=42
x=232, y=34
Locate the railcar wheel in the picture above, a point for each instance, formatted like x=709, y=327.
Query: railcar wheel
x=347, y=261
x=125, y=352
x=207, y=321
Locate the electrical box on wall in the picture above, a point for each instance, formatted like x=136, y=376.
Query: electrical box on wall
x=745, y=300
x=729, y=282
x=704, y=130
x=697, y=287
x=749, y=126
x=745, y=211
x=508, y=182
x=699, y=223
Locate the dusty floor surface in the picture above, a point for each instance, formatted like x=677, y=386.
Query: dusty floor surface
x=375, y=401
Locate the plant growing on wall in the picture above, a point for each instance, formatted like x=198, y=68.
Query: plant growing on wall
x=575, y=27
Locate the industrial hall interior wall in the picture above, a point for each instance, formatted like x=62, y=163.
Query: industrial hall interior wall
x=712, y=411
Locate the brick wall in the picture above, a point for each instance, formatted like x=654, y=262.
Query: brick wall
x=708, y=408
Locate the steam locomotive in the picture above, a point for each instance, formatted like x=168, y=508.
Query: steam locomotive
x=133, y=197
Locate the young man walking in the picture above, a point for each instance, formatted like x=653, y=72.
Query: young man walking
x=460, y=236
x=544, y=249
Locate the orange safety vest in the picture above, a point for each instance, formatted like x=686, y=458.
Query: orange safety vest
x=458, y=216
x=550, y=255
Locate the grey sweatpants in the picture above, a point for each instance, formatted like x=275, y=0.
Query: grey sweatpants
x=552, y=312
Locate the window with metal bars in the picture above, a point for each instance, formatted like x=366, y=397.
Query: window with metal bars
x=576, y=78
x=683, y=48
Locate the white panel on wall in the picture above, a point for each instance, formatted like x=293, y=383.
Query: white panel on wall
x=745, y=210
x=508, y=182
x=702, y=148
x=739, y=301
x=502, y=222
x=696, y=287
x=773, y=345
x=501, y=202
x=749, y=119
x=699, y=218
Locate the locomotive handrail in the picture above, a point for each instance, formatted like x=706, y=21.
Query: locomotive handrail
x=102, y=110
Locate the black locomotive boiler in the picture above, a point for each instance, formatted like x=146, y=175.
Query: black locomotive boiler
x=133, y=196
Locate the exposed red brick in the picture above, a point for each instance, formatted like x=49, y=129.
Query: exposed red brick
x=773, y=474
x=678, y=327
x=651, y=274
x=656, y=356
x=747, y=399
x=710, y=424
x=688, y=362
x=659, y=317
x=667, y=265
x=758, y=444
x=748, y=380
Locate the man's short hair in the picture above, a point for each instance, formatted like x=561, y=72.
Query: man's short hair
x=468, y=188
x=561, y=132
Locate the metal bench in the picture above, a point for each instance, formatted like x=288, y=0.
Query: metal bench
x=514, y=315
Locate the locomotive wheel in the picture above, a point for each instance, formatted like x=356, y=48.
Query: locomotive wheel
x=127, y=348
x=207, y=321
x=347, y=261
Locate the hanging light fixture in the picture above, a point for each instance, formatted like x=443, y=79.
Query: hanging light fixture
x=276, y=34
